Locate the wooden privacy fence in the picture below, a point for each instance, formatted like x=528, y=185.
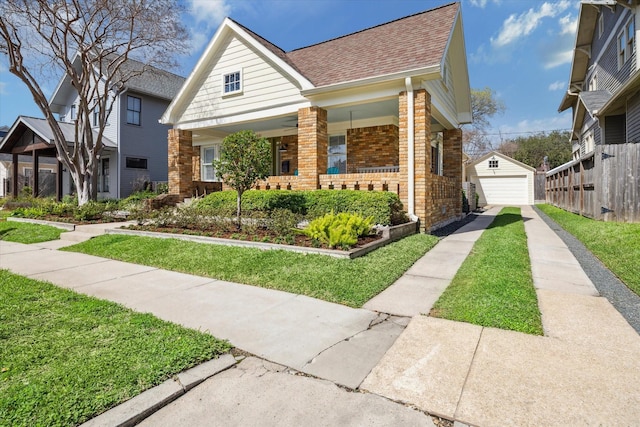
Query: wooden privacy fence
x=604, y=185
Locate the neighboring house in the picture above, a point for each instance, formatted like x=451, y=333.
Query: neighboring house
x=604, y=94
x=501, y=180
x=379, y=109
x=135, y=149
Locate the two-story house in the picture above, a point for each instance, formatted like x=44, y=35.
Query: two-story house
x=604, y=95
x=135, y=149
x=376, y=110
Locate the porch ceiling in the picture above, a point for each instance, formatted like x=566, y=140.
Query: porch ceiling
x=287, y=125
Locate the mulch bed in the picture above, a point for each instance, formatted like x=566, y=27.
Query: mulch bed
x=255, y=235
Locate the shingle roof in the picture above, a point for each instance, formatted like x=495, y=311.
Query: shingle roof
x=41, y=127
x=594, y=100
x=153, y=81
x=413, y=42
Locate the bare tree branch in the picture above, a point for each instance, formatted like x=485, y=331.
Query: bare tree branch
x=90, y=43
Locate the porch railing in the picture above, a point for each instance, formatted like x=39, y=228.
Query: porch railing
x=371, y=181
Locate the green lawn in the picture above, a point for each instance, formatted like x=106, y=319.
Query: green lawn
x=343, y=281
x=65, y=357
x=616, y=244
x=494, y=286
x=21, y=232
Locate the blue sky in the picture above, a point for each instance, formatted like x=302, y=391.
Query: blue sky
x=519, y=48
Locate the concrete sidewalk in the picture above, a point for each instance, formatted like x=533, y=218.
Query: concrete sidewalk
x=327, y=340
x=584, y=371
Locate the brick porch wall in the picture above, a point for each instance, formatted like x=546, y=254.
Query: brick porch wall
x=452, y=163
x=180, y=150
x=372, y=146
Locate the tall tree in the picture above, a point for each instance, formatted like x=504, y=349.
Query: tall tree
x=245, y=158
x=484, y=105
x=88, y=42
x=554, y=148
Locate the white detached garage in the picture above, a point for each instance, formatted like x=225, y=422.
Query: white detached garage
x=501, y=180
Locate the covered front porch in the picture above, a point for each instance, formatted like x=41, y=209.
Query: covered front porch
x=393, y=144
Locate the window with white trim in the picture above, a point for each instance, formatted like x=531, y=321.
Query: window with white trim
x=337, y=154
x=73, y=112
x=103, y=175
x=207, y=156
x=600, y=25
x=626, y=42
x=232, y=83
x=593, y=82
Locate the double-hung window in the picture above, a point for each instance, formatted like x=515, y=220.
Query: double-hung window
x=232, y=83
x=337, y=154
x=626, y=42
x=134, y=109
x=208, y=155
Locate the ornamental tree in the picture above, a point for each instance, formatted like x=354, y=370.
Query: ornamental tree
x=245, y=159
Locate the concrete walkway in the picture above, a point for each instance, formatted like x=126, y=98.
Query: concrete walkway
x=584, y=371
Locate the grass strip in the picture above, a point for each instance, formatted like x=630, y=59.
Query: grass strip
x=616, y=244
x=494, y=286
x=20, y=232
x=66, y=357
x=343, y=281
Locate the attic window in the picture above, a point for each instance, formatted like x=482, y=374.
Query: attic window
x=493, y=163
x=232, y=82
x=626, y=42
x=600, y=25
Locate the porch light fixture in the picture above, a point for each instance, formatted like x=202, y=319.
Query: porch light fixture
x=283, y=148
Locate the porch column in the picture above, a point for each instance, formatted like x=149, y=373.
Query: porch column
x=14, y=183
x=312, y=146
x=35, y=176
x=180, y=147
x=422, y=153
x=452, y=162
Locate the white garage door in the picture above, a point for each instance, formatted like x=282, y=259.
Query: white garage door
x=505, y=190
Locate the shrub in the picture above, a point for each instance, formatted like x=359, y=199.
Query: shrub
x=283, y=222
x=384, y=207
x=339, y=230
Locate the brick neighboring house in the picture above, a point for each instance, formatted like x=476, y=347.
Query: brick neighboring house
x=604, y=95
x=378, y=109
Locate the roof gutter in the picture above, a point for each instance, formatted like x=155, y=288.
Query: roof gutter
x=431, y=72
x=410, y=150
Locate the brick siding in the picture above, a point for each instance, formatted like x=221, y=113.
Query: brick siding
x=372, y=146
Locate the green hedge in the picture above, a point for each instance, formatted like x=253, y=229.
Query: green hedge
x=384, y=207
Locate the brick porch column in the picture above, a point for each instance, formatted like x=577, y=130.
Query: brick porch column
x=422, y=153
x=180, y=162
x=312, y=146
x=452, y=162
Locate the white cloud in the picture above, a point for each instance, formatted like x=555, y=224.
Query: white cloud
x=209, y=11
x=557, y=58
x=568, y=25
x=519, y=26
x=207, y=15
x=3, y=88
x=559, y=85
x=482, y=3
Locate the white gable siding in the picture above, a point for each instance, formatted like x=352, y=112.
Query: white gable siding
x=442, y=93
x=263, y=85
x=509, y=183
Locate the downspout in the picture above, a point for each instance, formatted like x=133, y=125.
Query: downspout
x=411, y=189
